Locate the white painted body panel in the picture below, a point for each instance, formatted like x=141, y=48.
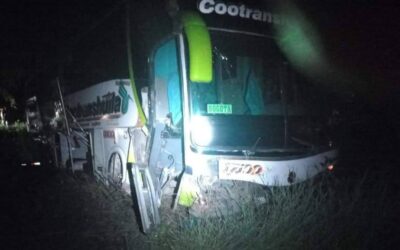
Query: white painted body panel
x=103, y=118
x=108, y=126
x=275, y=173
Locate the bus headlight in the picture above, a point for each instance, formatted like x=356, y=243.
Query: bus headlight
x=202, y=133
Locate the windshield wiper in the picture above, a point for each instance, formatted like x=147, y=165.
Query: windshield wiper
x=302, y=142
x=252, y=150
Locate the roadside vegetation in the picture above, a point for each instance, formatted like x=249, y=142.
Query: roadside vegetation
x=17, y=126
x=46, y=208
x=327, y=214
x=54, y=209
x=14, y=143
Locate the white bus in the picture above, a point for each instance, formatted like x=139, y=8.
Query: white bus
x=224, y=110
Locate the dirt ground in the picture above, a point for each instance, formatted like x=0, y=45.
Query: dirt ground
x=51, y=209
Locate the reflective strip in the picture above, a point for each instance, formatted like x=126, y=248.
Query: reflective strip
x=200, y=52
x=188, y=192
x=131, y=154
x=142, y=118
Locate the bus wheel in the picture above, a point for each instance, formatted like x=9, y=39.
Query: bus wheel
x=146, y=198
x=115, y=168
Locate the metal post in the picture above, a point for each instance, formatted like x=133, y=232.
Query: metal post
x=66, y=123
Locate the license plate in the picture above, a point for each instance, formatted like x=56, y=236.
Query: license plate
x=219, y=108
x=233, y=169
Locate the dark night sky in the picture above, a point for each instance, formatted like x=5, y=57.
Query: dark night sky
x=38, y=36
x=360, y=37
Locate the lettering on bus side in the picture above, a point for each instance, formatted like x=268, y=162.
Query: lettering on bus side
x=238, y=10
x=109, y=134
x=108, y=104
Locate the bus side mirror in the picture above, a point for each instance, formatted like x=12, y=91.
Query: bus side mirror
x=200, y=53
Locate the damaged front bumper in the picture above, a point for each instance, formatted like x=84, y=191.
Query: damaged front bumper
x=239, y=180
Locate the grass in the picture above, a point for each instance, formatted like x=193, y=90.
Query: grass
x=75, y=212
x=69, y=211
x=52, y=209
x=328, y=214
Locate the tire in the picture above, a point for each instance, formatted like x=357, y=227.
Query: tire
x=115, y=171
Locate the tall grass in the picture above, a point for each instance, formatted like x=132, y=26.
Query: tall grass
x=328, y=214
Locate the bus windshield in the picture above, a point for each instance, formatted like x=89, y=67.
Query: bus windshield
x=256, y=100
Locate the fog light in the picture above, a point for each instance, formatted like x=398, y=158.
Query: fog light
x=330, y=167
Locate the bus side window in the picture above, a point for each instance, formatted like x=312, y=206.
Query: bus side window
x=167, y=83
